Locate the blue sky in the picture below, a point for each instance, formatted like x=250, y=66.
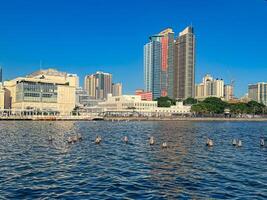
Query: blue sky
x=83, y=36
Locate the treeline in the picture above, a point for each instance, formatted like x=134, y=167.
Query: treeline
x=214, y=105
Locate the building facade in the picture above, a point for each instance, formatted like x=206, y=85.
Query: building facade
x=134, y=103
x=116, y=89
x=45, y=90
x=184, y=64
x=209, y=88
x=127, y=103
x=258, y=92
x=98, y=85
x=159, y=63
x=228, y=92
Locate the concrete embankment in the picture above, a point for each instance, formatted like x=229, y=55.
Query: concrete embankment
x=183, y=119
x=116, y=119
x=51, y=118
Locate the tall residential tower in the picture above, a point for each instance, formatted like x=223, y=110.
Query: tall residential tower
x=158, y=64
x=184, y=64
x=98, y=85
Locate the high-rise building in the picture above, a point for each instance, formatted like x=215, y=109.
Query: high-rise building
x=1, y=75
x=98, y=85
x=209, y=88
x=184, y=64
x=116, y=89
x=228, y=92
x=258, y=92
x=90, y=85
x=158, y=64
x=152, y=65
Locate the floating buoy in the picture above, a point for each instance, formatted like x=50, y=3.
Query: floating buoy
x=239, y=144
x=164, y=145
x=125, y=139
x=151, y=141
x=262, y=142
x=79, y=136
x=69, y=140
x=234, y=142
x=75, y=138
x=50, y=138
x=98, y=140
x=209, y=143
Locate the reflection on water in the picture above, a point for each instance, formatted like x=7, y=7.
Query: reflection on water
x=33, y=167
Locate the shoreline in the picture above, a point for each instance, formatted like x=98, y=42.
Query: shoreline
x=140, y=119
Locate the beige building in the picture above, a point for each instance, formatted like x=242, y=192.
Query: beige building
x=98, y=85
x=209, y=88
x=258, y=92
x=228, y=92
x=116, y=89
x=44, y=90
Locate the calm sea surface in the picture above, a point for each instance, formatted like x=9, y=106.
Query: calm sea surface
x=33, y=167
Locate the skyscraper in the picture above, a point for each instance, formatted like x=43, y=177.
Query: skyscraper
x=184, y=64
x=90, y=85
x=158, y=64
x=98, y=85
x=152, y=65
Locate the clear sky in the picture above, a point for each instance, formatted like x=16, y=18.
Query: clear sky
x=82, y=36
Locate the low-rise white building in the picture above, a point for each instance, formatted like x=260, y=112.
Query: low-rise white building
x=179, y=108
x=128, y=103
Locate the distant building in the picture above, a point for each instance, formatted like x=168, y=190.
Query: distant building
x=4, y=98
x=116, y=89
x=84, y=101
x=158, y=64
x=98, y=85
x=1, y=75
x=44, y=90
x=134, y=103
x=209, y=88
x=90, y=85
x=228, y=92
x=258, y=92
x=127, y=103
x=146, y=96
x=245, y=98
x=184, y=64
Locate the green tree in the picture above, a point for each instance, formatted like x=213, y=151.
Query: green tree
x=190, y=101
x=215, y=105
x=239, y=108
x=165, y=102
